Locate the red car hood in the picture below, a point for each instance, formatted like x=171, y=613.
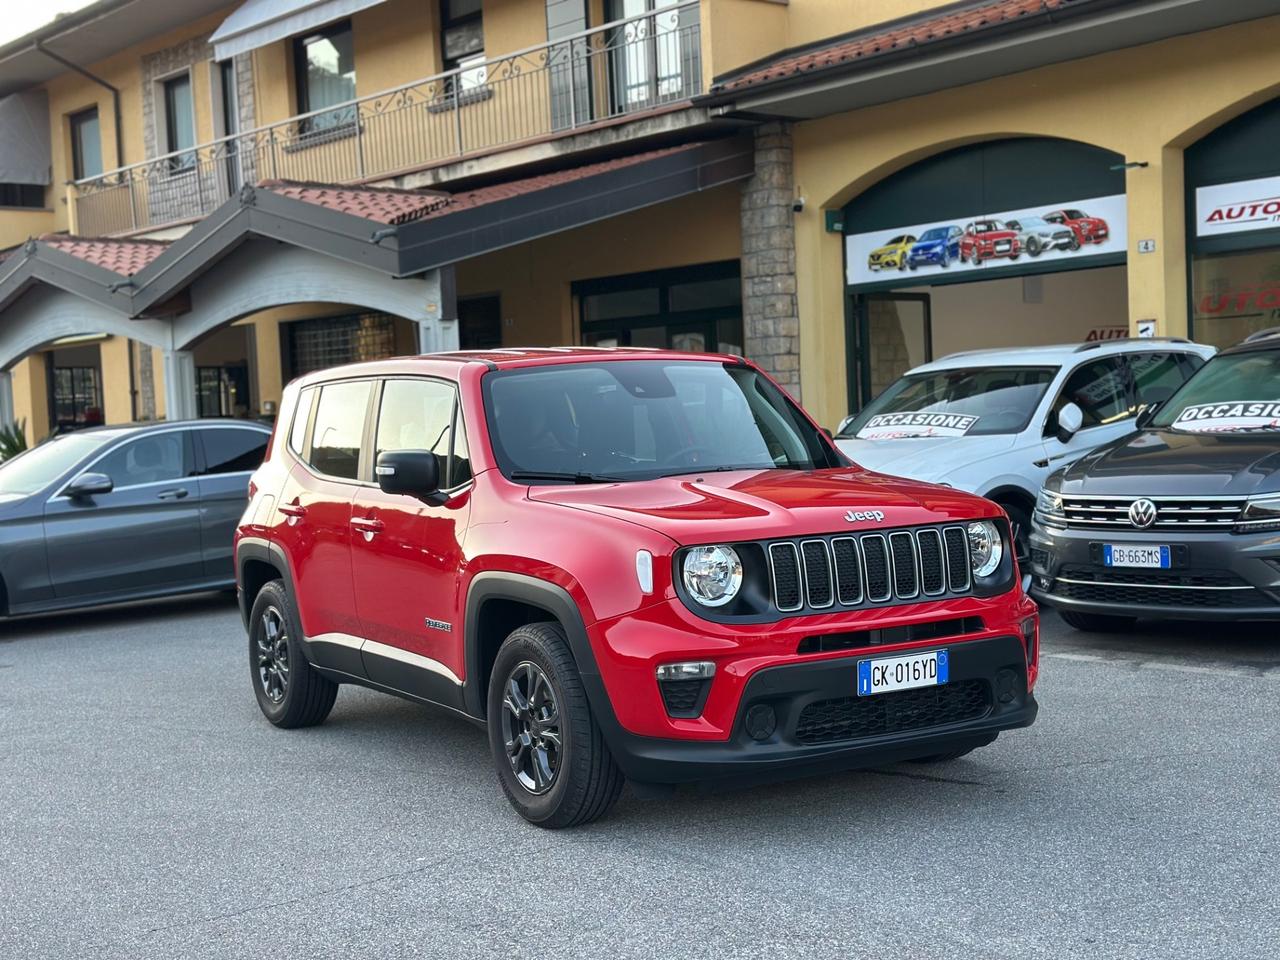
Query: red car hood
x=766, y=504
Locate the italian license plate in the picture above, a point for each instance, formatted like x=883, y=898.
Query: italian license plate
x=902, y=673
x=1135, y=555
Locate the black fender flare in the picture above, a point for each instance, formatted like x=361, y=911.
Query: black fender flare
x=561, y=607
x=259, y=548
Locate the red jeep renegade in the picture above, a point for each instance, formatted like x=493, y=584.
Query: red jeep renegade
x=624, y=563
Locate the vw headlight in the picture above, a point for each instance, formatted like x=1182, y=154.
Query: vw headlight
x=712, y=575
x=1049, y=506
x=986, y=549
x=1259, y=513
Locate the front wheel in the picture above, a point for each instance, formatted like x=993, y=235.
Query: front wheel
x=290, y=692
x=1097, y=622
x=1020, y=528
x=552, y=760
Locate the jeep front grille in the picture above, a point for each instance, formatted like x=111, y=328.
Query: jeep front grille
x=1172, y=513
x=898, y=566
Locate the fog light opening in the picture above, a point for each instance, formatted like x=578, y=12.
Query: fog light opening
x=760, y=722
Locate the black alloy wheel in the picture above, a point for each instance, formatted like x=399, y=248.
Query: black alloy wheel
x=1033, y=247
x=531, y=728
x=273, y=655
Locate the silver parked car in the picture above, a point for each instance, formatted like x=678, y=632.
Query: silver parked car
x=1038, y=235
x=124, y=513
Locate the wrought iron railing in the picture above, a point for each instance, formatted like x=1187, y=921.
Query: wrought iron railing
x=625, y=67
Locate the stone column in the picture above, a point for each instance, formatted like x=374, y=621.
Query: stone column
x=180, y=385
x=770, y=318
x=6, y=398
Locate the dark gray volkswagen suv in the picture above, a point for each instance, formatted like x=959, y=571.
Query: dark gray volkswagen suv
x=124, y=513
x=1180, y=519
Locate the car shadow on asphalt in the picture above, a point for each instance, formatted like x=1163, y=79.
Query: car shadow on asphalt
x=141, y=612
x=1206, y=643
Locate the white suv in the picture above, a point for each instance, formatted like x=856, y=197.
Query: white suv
x=998, y=422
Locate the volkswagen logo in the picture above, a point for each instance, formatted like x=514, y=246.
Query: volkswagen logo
x=1142, y=513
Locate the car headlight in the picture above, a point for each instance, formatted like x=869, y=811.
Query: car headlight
x=1049, y=506
x=1259, y=513
x=712, y=575
x=986, y=549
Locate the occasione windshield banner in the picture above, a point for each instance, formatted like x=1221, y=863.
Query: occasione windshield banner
x=1047, y=235
x=892, y=426
x=1233, y=415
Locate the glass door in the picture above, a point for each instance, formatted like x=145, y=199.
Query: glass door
x=891, y=333
x=653, y=59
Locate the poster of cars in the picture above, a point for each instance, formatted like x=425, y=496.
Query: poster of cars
x=917, y=252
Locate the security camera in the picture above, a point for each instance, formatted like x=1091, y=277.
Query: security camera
x=797, y=205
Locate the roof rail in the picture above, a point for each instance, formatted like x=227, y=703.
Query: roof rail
x=1266, y=334
x=1095, y=344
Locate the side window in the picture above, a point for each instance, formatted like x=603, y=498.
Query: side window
x=419, y=415
x=1156, y=376
x=298, y=431
x=232, y=450
x=1099, y=389
x=153, y=459
x=339, y=429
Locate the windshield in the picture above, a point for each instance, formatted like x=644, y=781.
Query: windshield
x=40, y=466
x=640, y=419
x=1031, y=223
x=954, y=403
x=937, y=233
x=1076, y=215
x=1229, y=394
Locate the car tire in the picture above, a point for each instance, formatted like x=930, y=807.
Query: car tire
x=977, y=260
x=1074, y=245
x=1097, y=622
x=902, y=264
x=552, y=761
x=1020, y=528
x=289, y=690
x=1033, y=247
x=912, y=266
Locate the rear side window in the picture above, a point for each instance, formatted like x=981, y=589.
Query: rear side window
x=421, y=415
x=231, y=450
x=1099, y=389
x=149, y=459
x=298, y=432
x=339, y=429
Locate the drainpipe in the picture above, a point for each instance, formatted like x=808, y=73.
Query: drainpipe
x=115, y=94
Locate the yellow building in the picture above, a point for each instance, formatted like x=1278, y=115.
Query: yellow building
x=203, y=199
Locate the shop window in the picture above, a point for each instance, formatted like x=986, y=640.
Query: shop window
x=462, y=42
x=1235, y=295
x=86, y=144
x=332, y=341
x=27, y=195
x=325, y=76
x=691, y=308
x=336, y=438
x=179, y=122
x=480, y=323
x=77, y=397
x=222, y=391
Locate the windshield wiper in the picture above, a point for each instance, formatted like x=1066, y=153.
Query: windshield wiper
x=566, y=477
x=725, y=468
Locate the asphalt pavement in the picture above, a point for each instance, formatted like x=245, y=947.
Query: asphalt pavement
x=147, y=810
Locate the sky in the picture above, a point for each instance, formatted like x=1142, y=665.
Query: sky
x=19, y=17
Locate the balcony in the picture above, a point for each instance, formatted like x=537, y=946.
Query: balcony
x=622, y=68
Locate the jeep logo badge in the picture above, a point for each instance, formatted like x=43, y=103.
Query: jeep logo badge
x=853, y=516
x=1142, y=513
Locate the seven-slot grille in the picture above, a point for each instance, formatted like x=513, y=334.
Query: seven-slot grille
x=1172, y=513
x=850, y=570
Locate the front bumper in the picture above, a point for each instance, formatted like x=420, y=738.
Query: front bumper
x=1215, y=575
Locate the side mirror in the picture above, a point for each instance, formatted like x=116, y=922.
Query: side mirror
x=1147, y=413
x=410, y=473
x=1070, y=420
x=844, y=423
x=89, y=485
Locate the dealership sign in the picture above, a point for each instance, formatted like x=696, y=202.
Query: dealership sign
x=1238, y=207
x=1050, y=235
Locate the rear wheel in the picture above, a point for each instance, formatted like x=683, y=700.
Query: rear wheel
x=1097, y=622
x=552, y=760
x=289, y=690
x=1033, y=247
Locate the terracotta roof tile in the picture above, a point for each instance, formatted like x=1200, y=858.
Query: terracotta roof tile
x=125, y=257
x=393, y=207
x=378, y=204
x=868, y=44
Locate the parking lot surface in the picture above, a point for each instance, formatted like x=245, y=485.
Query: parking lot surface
x=147, y=810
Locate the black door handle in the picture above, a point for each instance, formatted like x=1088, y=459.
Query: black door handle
x=177, y=494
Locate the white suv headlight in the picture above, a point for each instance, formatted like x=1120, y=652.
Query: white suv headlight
x=986, y=549
x=712, y=575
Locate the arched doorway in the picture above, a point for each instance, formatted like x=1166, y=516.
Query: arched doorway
x=1011, y=242
x=1233, y=228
